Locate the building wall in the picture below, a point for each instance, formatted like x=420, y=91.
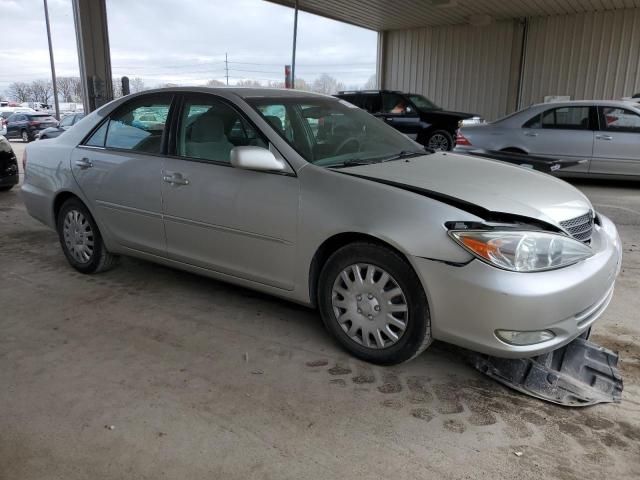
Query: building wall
x=592, y=55
x=476, y=69
x=461, y=67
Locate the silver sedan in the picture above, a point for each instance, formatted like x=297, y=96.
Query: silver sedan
x=306, y=197
x=601, y=138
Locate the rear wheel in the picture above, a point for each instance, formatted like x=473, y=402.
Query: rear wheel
x=372, y=302
x=6, y=188
x=81, y=240
x=439, y=140
x=25, y=136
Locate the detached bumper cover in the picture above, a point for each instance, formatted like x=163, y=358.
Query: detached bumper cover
x=576, y=375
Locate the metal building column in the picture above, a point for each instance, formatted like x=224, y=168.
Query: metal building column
x=90, y=18
x=381, y=61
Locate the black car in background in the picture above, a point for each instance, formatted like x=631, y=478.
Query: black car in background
x=66, y=123
x=412, y=114
x=8, y=166
x=27, y=125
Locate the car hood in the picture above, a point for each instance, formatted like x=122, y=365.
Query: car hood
x=490, y=184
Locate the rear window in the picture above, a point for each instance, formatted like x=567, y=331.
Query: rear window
x=40, y=116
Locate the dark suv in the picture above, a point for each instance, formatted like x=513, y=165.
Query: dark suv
x=412, y=114
x=27, y=125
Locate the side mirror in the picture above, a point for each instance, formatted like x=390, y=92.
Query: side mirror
x=256, y=158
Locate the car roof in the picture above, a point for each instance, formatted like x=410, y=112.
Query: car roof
x=242, y=92
x=568, y=103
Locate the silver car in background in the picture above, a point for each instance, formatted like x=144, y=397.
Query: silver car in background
x=311, y=199
x=604, y=136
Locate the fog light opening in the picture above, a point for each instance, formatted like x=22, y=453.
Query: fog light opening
x=514, y=337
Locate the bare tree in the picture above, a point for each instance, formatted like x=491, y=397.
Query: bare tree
x=137, y=85
x=371, y=83
x=215, y=83
x=19, y=91
x=249, y=83
x=69, y=87
x=41, y=91
x=326, y=84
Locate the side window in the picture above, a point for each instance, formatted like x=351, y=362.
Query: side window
x=66, y=121
x=210, y=129
x=566, y=118
x=139, y=125
x=278, y=117
x=393, y=103
x=620, y=120
x=371, y=102
x=99, y=136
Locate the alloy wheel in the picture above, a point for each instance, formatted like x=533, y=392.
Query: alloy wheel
x=438, y=142
x=370, y=306
x=78, y=236
x=25, y=136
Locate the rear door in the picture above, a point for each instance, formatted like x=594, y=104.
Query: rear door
x=562, y=133
x=119, y=169
x=617, y=143
x=17, y=122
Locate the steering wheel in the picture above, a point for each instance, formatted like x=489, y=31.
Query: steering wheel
x=346, y=142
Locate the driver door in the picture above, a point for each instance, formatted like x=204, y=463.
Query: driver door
x=237, y=222
x=398, y=112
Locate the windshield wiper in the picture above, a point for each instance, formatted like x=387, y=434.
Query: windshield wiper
x=404, y=154
x=353, y=163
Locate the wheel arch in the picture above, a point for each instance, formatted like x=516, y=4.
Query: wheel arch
x=334, y=243
x=59, y=200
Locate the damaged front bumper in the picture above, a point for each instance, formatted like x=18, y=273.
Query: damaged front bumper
x=579, y=374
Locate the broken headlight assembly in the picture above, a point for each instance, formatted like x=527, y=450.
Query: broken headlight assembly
x=522, y=250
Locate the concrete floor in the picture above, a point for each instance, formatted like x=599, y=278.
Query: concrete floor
x=204, y=380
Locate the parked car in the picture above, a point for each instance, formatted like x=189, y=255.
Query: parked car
x=602, y=135
x=66, y=123
x=8, y=166
x=395, y=246
x=28, y=125
x=414, y=115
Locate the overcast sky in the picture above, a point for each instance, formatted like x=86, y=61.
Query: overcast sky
x=185, y=42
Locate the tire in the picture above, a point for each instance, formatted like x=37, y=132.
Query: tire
x=438, y=140
x=75, y=217
x=366, y=312
x=513, y=150
x=6, y=188
x=25, y=136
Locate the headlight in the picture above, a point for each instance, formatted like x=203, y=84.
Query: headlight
x=522, y=251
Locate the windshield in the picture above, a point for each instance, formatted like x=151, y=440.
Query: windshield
x=332, y=133
x=423, y=102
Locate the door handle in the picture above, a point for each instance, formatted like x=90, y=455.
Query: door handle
x=531, y=134
x=84, y=163
x=175, y=179
x=604, y=137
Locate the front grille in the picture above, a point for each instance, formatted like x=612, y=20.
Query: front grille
x=580, y=227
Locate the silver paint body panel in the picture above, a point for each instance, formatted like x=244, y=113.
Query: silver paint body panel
x=262, y=230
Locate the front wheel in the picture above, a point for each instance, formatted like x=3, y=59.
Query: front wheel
x=439, y=141
x=372, y=302
x=81, y=240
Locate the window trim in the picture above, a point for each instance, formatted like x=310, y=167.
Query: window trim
x=120, y=108
x=591, y=126
x=176, y=120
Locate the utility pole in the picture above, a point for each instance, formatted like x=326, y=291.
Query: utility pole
x=226, y=67
x=53, y=68
x=295, y=37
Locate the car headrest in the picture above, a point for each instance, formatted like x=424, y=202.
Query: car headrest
x=274, y=121
x=207, y=128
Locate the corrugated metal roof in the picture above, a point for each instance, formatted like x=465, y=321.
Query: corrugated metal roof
x=401, y=14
